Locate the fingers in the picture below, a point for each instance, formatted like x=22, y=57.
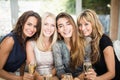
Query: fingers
x=91, y=74
x=76, y=79
x=28, y=76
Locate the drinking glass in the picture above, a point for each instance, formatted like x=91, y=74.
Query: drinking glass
x=46, y=72
x=31, y=67
x=68, y=76
x=87, y=65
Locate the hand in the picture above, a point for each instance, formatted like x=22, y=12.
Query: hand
x=76, y=79
x=39, y=77
x=91, y=74
x=67, y=78
x=28, y=76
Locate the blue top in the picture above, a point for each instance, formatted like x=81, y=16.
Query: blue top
x=100, y=66
x=61, y=56
x=16, y=57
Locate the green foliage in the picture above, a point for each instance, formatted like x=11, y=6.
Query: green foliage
x=100, y=6
x=70, y=6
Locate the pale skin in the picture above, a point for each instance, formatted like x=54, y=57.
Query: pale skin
x=108, y=52
x=7, y=45
x=48, y=29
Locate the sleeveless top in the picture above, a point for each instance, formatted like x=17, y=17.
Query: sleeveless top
x=43, y=59
x=16, y=57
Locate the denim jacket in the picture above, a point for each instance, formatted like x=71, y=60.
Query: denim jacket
x=61, y=56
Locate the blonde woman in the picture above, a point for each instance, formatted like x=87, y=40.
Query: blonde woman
x=102, y=54
x=40, y=50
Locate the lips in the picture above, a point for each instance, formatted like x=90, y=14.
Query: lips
x=67, y=32
x=29, y=32
x=48, y=32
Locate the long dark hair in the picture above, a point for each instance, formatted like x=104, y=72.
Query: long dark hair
x=18, y=30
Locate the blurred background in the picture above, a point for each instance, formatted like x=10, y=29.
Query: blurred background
x=108, y=12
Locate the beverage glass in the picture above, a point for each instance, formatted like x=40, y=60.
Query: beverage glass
x=68, y=76
x=46, y=72
x=31, y=67
x=87, y=65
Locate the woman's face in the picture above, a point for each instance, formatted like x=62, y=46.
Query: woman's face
x=85, y=27
x=48, y=27
x=65, y=28
x=29, y=28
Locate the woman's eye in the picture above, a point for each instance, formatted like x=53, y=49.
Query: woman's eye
x=29, y=24
x=53, y=25
x=86, y=24
x=59, y=26
x=35, y=26
x=79, y=25
x=45, y=23
x=68, y=23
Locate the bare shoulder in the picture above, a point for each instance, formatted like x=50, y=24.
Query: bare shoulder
x=29, y=43
x=8, y=41
x=6, y=45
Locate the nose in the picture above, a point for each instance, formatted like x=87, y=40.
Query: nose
x=33, y=28
x=48, y=27
x=65, y=27
x=82, y=27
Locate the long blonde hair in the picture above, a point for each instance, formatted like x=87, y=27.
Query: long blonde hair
x=40, y=40
x=76, y=52
x=97, y=31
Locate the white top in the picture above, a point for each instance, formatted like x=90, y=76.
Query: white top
x=116, y=45
x=43, y=59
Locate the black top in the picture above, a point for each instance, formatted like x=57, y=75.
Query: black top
x=16, y=57
x=100, y=66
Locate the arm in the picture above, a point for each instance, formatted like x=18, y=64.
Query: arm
x=57, y=55
x=53, y=71
x=30, y=52
x=110, y=62
x=31, y=56
x=81, y=76
x=5, y=49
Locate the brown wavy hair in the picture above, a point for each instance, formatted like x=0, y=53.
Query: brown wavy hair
x=22, y=20
x=97, y=31
x=18, y=30
x=76, y=52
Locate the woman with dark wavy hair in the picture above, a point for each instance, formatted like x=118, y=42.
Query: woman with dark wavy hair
x=12, y=47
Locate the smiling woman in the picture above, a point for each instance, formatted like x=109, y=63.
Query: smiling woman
x=12, y=47
x=104, y=61
x=68, y=50
x=40, y=50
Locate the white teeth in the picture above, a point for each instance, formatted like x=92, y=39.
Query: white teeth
x=29, y=32
x=67, y=32
x=47, y=32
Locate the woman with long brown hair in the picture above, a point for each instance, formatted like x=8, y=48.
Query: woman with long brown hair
x=68, y=51
x=12, y=47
